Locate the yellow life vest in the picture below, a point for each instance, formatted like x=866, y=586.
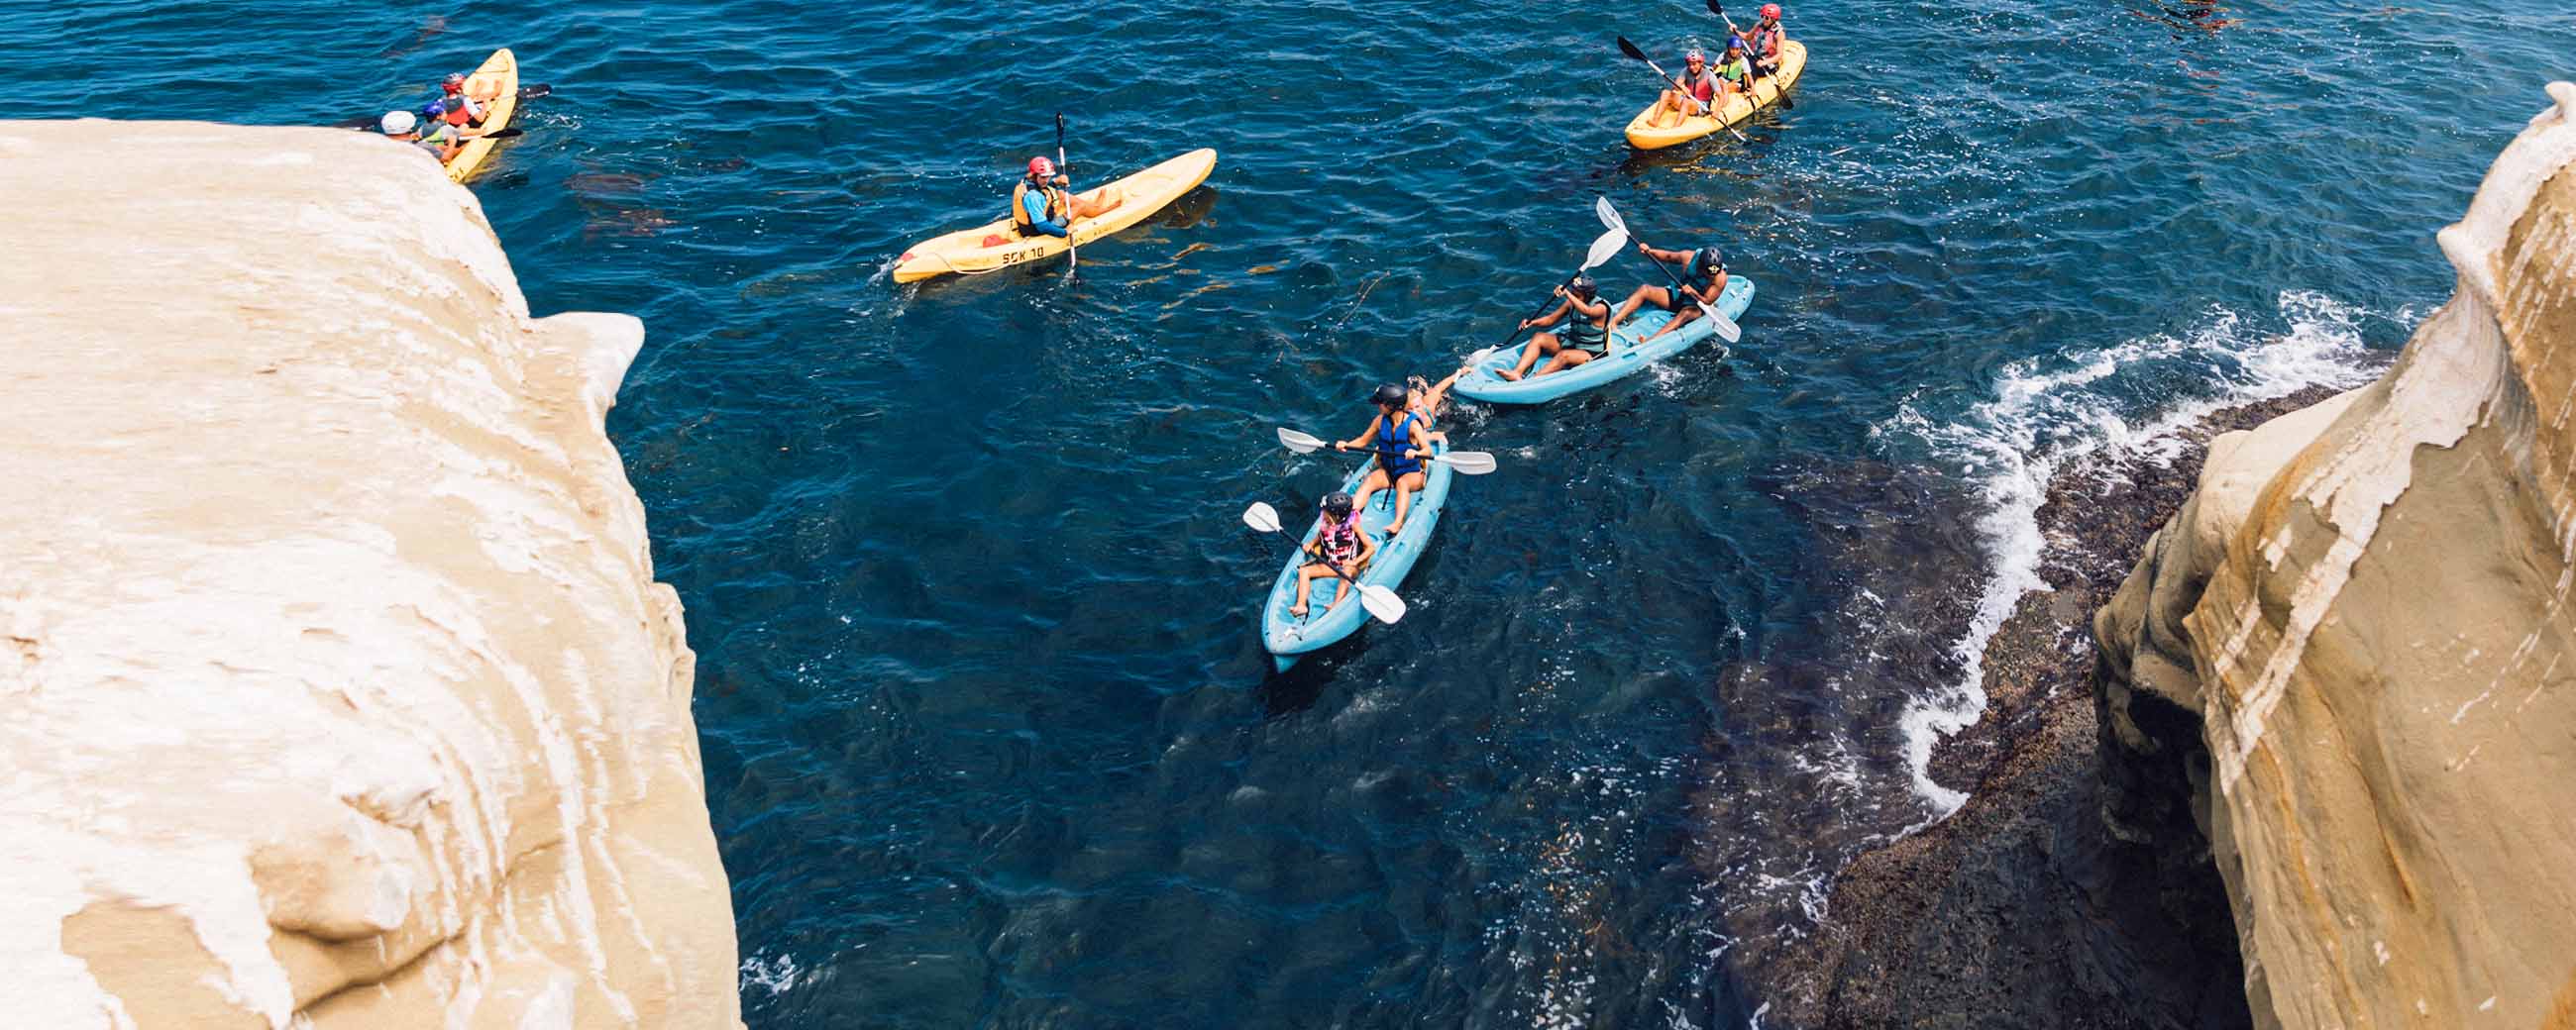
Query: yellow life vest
x=1056, y=205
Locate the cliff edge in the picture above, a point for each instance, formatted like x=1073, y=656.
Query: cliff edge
x=334, y=682
x=2365, y=605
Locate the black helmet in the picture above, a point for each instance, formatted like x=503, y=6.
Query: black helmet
x=1710, y=258
x=1336, y=504
x=1584, y=285
x=1391, y=395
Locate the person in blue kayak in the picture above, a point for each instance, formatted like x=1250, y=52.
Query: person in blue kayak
x=1339, y=545
x=1701, y=87
x=1042, y=206
x=1586, y=334
x=1703, y=278
x=1398, y=436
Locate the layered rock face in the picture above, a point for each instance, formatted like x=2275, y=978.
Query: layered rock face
x=2366, y=605
x=334, y=682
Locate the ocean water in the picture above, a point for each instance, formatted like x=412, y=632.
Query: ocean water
x=989, y=736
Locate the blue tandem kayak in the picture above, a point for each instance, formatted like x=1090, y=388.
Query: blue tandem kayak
x=1625, y=359
x=1327, y=621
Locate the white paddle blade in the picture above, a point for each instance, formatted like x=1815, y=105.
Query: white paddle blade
x=1727, y=330
x=1261, y=517
x=1609, y=215
x=1471, y=463
x=1605, y=248
x=1298, y=442
x=1382, y=603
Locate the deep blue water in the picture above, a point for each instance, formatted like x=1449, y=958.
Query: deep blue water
x=988, y=733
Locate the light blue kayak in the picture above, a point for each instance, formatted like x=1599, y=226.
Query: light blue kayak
x=1625, y=358
x=1327, y=621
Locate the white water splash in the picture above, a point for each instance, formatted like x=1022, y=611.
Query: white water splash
x=2048, y=412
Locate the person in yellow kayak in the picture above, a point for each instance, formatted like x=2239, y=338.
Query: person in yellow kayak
x=1398, y=436
x=1340, y=545
x=1042, y=206
x=465, y=107
x=1585, y=337
x=427, y=130
x=1763, y=42
x=1699, y=89
x=1703, y=278
x=1733, y=73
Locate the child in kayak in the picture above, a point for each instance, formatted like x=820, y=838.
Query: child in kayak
x=1734, y=74
x=1676, y=104
x=1041, y=205
x=1586, y=335
x=1398, y=437
x=1339, y=544
x=1703, y=278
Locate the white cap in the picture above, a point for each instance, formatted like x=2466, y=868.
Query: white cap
x=396, y=123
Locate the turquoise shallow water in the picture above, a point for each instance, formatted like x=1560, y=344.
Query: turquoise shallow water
x=989, y=737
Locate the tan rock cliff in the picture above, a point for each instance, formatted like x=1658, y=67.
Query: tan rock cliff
x=334, y=682
x=2367, y=604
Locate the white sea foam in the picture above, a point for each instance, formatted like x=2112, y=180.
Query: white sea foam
x=773, y=974
x=2047, y=412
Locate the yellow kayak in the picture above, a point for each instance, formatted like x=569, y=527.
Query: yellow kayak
x=504, y=70
x=993, y=247
x=1644, y=134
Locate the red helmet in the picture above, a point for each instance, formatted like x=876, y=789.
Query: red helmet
x=1771, y=11
x=1041, y=167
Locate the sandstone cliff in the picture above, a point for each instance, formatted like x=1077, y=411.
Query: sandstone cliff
x=2366, y=605
x=334, y=682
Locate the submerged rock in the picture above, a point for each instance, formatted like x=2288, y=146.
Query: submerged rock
x=2365, y=606
x=334, y=682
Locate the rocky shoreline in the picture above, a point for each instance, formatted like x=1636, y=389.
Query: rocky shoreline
x=2027, y=907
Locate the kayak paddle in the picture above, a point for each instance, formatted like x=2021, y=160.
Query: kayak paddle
x=1380, y=601
x=1072, y=257
x=1473, y=463
x=539, y=90
x=1706, y=111
x=1726, y=327
x=1602, y=251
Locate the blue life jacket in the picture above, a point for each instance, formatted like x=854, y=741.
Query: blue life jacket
x=1393, y=436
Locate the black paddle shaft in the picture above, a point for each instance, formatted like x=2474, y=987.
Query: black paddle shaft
x=1319, y=559
x=1551, y=301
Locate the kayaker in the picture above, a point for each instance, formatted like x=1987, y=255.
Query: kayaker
x=462, y=110
x=1041, y=205
x=1400, y=440
x=1703, y=278
x=405, y=127
x=1765, y=40
x=481, y=92
x=1586, y=335
x=1734, y=74
x=1339, y=544
x=1431, y=400
x=1676, y=104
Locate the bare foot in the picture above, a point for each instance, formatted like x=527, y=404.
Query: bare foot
x=1296, y=611
x=1507, y=375
x=1394, y=528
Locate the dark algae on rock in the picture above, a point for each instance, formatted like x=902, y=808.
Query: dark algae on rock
x=2072, y=889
